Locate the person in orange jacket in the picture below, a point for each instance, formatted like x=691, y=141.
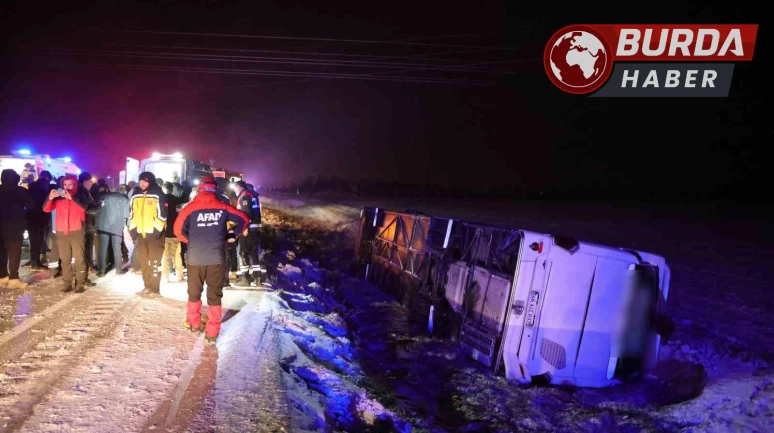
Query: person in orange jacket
x=70, y=228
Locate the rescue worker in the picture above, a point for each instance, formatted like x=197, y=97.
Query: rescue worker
x=70, y=227
x=147, y=224
x=221, y=192
x=249, y=244
x=202, y=225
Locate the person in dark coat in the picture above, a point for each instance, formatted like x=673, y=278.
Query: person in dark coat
x=172, y=247
x=37, y=221
x=231, y=253
x=85, y=190
x=14, y=202
x=111, y=221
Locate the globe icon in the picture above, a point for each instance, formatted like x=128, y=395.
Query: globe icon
x=579, y=60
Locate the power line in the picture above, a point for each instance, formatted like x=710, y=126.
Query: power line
x=228, y=71
x=285, y=60
x=425, y=38
x=313, y=53
x=293, y=38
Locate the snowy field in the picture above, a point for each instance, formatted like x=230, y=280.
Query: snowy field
x=319, y=350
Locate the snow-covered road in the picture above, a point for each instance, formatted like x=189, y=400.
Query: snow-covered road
x=107, y=360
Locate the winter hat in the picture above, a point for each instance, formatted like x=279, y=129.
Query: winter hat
x=84, y=177
x=9, y=177
x=207, y=186
x=148, y=177
x=72, y=178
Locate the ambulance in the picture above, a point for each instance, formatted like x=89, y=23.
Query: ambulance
x=173, y=168
x=37, y=163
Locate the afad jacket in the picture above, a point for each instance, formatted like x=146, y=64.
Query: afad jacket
x=69, y=215
x=148, y=213
x=203, y=225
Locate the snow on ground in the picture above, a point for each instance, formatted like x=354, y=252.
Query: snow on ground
x=714, y=375
x=107, y=360
x=318, y=349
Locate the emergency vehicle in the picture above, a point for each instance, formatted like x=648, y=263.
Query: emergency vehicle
x=56, y=166
x=170, y=168
x=231, y=176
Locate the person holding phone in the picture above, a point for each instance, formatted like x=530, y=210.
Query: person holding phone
x=69, y=225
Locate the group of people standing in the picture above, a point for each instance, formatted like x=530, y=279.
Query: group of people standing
x=81, y=218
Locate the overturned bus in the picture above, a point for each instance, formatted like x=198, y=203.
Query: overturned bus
x=543, y=308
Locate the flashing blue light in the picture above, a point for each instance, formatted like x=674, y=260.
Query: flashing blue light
x=24, y=152
x=67, y=159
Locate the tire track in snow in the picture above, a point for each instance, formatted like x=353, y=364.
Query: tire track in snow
x=248, y=394
x=26, y=381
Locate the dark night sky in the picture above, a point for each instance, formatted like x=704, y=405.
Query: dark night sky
x=519, y=131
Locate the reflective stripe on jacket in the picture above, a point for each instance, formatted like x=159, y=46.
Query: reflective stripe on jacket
x=203, y=225
x=148, y=212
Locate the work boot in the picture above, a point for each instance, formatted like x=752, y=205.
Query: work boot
x=243, y=281
x=4, y=281
x=80, y=289
x=214, y=314
x=16, y=284
x=259, y=277
x=148, y=293
x=37, y=267
x=67, y=288
x=193, y=316
x=210, y=340
x=198, y=330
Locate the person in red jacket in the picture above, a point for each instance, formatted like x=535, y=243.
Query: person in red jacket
x=69, y=225
x=202, y=224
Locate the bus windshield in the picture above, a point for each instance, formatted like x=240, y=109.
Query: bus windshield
x=168, y=171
